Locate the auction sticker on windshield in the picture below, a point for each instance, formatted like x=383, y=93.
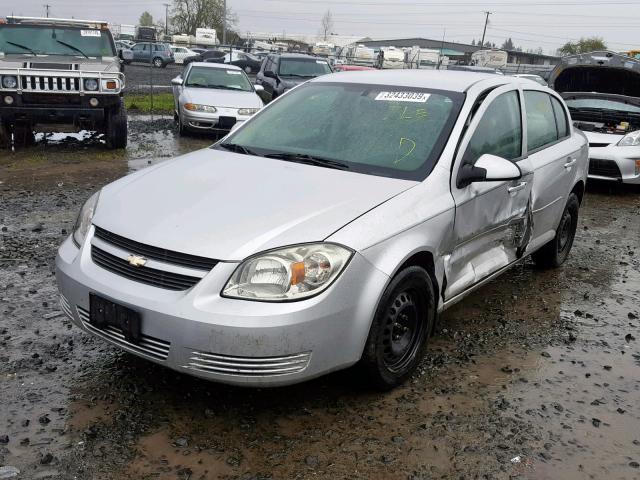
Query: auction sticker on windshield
x=90, y=33
x=417, y=97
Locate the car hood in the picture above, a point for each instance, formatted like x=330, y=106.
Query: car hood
x=597, y=139
x=221, y=98
x=91, y=64
x=228, y=206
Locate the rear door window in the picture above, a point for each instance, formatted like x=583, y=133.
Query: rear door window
x=541, y=120
x=562, y=122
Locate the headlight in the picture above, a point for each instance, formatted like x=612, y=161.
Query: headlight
x=91, y=84
x=248, y=111
x=630, y=139
x=83, y=222
x=291, y=273
x=194, y=107
x=9, y=82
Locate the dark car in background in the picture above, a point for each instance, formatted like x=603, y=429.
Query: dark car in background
x=159, y=54
x=283, y=71
x=246, y=61
x=205, y=56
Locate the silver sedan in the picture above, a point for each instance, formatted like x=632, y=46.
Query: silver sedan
x=213, y=97
x=330, y=229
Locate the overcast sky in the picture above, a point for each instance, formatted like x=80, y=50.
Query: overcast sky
x=531, y=24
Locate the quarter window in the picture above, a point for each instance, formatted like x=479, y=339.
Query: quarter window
x=541, y=120
x=561, y=118
x=499, y=132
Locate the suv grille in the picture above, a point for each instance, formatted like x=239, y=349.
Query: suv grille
x=156, y=253
x=150, y=276
x=604, y=168
x=41, y=83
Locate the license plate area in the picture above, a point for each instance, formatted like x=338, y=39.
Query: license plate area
x=104, y=313
x=226, y=122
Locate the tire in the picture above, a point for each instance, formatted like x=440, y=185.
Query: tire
x=555, y=252
x=23, y=135
x=116, y=130
x=5, y=136
x=157, y=62
x=182, y=130
x=398, y=336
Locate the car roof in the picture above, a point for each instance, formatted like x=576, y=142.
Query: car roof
x=456, y=81
x=215, y=65
x=297, y=55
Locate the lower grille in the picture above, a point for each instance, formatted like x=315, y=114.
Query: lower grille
x=149, y=346
x=150, y=276
x=604, y=168
x=66, y=308
x=598, y=145
x=248, y=366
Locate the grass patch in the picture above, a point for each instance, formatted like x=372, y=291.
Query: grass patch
x=162, y=103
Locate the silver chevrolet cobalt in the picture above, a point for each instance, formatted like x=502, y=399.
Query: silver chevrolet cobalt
x=330, y=229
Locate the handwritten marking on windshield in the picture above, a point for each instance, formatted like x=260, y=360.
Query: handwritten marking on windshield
x=408, y=142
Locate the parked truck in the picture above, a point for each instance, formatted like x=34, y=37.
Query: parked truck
x=59, y=75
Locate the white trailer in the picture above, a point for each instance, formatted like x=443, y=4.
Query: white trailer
x=489, y=58
x=206, y=37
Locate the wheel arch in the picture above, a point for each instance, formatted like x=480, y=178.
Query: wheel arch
x=578, y=189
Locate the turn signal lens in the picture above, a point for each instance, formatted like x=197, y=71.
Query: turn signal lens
x=111, y=85
x=637, y=167
x=194, y=107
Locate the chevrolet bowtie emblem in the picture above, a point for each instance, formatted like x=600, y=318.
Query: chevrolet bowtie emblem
x=136, y=261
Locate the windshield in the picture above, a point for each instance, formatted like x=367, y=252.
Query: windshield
x=602, y=104
x=27, y=39
x=381, y=130
x=211, y=77
x=303, y=67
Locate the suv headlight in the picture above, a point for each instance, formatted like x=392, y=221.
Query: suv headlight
x=630, y=139
x=291, y=273
x=9, y=81
x=83, y=222
x=248, y=111
x=195, y=107
x=91, y=84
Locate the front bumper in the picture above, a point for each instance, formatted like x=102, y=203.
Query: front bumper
x=240, y=342
x=613, y=163
x=200, y=121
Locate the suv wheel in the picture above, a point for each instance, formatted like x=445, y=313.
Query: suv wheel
x=5, y=136
x=116, y=130
x=23, y=135
x=398, y=336
x=158, y=63
x=555, y=252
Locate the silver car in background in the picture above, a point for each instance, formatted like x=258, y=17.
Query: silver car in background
x=213, y=97
x=330, y=229
x=602, y=91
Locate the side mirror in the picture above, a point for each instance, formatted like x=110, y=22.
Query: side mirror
x=488, y=168
x=120, y=54
x=258, y=88
x=176, y=81
x=270, y=74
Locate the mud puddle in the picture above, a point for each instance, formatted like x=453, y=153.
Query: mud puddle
x=534, y=376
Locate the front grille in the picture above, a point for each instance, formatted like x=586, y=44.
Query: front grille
x=148, y=346
x=160, y=254
x=598, y=145
x=46, y=83
x=150, y=276
x=248, y=366
x=604, y=168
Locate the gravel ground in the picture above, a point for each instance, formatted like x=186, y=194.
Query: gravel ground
x=534, y=376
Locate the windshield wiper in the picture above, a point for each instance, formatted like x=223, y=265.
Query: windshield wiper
x=236, y=148
x=22, y=46
x=223, y=87
x=298, y=75
x=72, y=47
x=309, y=160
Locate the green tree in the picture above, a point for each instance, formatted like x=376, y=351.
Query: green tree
x=508, y=44
x=584, y=45
x=146, y=19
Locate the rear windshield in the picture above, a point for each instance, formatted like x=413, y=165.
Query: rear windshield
x=29, y=39
x=303, y=67
x=389, y=131
x=220, y=78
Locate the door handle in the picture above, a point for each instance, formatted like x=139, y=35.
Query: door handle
x=517, y=188
x=571, y=162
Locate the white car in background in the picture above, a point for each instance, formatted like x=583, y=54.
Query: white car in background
x=180, y=53
x=213, y=97
x=534, y=78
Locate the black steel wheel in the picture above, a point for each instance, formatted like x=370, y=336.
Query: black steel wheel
x=399, y=332
x=555, y=252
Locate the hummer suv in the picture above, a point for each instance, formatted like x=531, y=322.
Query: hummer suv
x=60, y=75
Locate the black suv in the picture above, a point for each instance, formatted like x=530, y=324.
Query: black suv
x=282, y=71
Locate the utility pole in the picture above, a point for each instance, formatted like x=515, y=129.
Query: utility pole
x=166, y=19
x=486, y=21
x=47, y=7
x=224, y=22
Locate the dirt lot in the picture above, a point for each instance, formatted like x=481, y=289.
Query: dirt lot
x=535, y=376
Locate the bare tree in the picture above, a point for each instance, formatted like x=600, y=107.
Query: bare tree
x=191, y=14
x=326, y=24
